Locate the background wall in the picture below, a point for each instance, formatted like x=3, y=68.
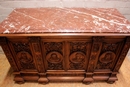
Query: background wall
x=6, y=6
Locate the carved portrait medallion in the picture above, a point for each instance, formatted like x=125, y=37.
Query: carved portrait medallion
x=54, y=57
x=107, y=57
x=26, y=60
x=77, y=57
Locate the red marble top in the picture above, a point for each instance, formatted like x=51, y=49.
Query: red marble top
x=65, y=20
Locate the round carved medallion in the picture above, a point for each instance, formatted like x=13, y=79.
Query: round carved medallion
x=107, y=57
x=77, y=57
x=24, y=57
x=54, y=57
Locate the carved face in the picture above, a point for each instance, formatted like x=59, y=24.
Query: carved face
x=54, y=56
x=108, y=56
x=79, y=56
x=23, y=55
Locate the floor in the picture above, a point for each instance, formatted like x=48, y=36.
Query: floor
x=6, y=78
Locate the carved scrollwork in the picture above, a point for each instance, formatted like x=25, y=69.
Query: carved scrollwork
x=109, y=47
x=21, y=46
x=78, y=66
x=55, y=66
x=78, y=46
x=54, y=57
x=26, y=60
x=53, y=46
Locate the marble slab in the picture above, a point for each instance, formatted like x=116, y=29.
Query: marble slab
x=65, y=20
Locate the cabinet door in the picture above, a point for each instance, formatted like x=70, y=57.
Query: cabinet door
x=78, y=54
x=53, y=55
x=21, y=51
x=109, y=54
x=67, y=54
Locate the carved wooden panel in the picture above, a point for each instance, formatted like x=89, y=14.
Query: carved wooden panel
x=7, y=51
x=87, y=60
x=77, y=56
x=124, y=52
x=54, y=55
x=53, y=46
x=108, y=55
x=105, y=60
x=22, y=52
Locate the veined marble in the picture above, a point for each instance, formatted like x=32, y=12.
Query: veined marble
x=64, y=20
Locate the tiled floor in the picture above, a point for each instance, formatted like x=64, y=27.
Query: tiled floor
x=6, y=78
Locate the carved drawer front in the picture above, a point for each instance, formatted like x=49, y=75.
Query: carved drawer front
x=109, y=53
x=54, y=56
x=78, y=55
x=22, y=53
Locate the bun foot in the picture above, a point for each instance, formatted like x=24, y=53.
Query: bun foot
x=110, y=82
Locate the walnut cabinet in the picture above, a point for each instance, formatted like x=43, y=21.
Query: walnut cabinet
x=65, y=58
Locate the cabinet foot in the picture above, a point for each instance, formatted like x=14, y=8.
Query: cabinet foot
x=19, y=80
x=87, y=81
x=110, y=82
x=43, y=80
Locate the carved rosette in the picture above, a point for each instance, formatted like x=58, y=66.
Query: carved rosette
x=25, y=60
x=77, y=60
x=54, y=60
x=105, y=60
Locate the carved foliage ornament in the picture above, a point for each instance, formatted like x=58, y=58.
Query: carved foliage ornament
x=109, y=47
x=78, y=46
x=21, y=46
x=53, y=46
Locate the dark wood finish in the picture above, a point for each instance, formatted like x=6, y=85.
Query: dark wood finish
x=80, y=52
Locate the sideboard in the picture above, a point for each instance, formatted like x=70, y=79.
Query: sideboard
x=65, y=44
